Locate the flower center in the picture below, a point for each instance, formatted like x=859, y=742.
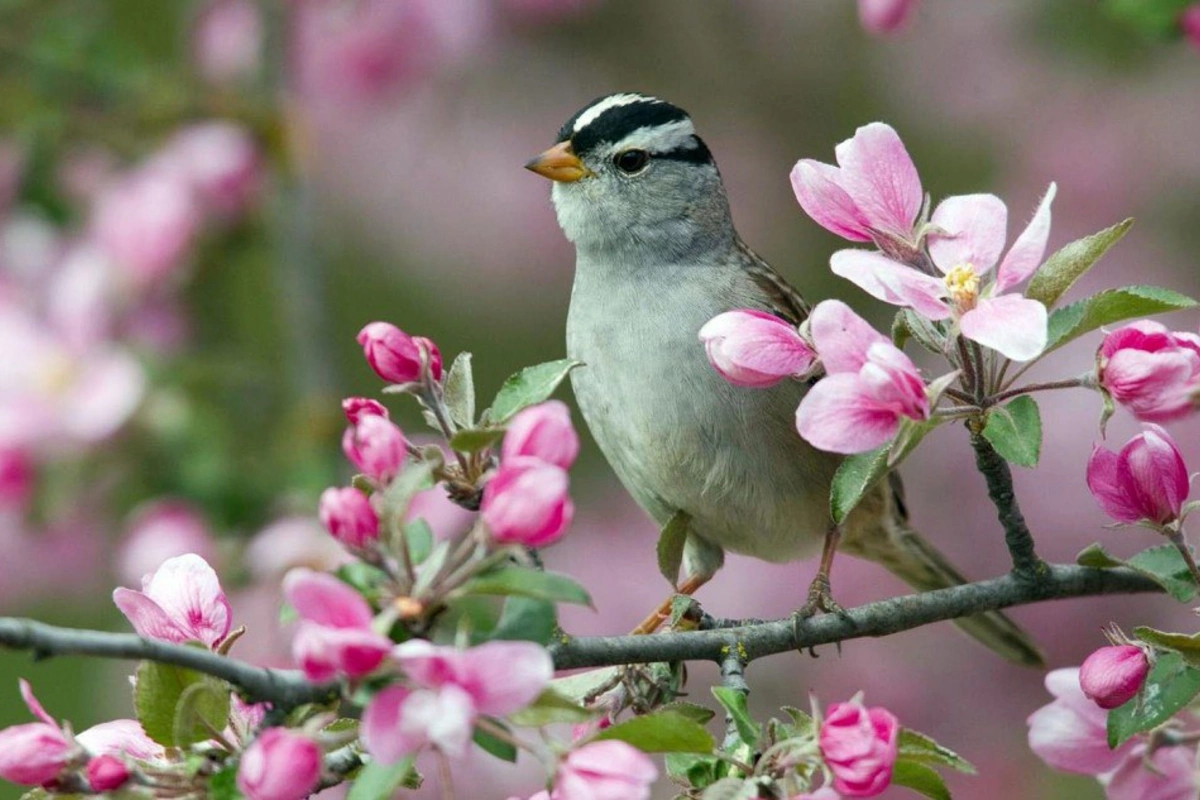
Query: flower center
x=962, y=284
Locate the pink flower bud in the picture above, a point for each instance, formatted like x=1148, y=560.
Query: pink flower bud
x=16, y=478
x=107, y=773
x=1112, y=676
x=885, y=16
x=181, y=602
x=1152, y=371
x=1147, y=480
x=605, y=769
x=280, y=765
x=860, y=746
x=754, y=348
x=1190, y=22
x=376, y=446
x=34, y=753
x=543, y=431
x=356, y=408
x=349, y=516
x=395, y=356
x=527, y=503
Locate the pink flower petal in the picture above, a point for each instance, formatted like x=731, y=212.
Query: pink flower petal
x=399, y=722
x=1103, y=482
x=841, y=336
x=753, y=348
x=1070, y=733
x=975, y=227
x=819, y=191
x=1025, y=256
x=34, y=706
x=1169, y=775
x=504, y=677
x=881, y=178
x=839, y=416
x=891, y=282
x=188, y=590
x=121, y=737
x=1012, y=325
x=147, y=617
x=321, y=598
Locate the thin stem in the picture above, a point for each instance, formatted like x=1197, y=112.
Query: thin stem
x=733, y=676
x=447, y=779
x=957, y=411
x=1066, y=383
x=1000, y=489
x=958, y=395
x=432, y=398
x=1181, y=545
x=983, y=386
x=970, y=380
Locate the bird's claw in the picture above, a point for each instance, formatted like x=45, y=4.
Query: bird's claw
x=820, y=600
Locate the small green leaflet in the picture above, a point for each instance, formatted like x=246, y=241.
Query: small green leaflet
x=549, y=708
x=859, y=473
x=1161, y=564
x=526, y=619
x=490, y=743
x=661, y=732
x=378, y=781
x=1187, y=646
x=529, y=386
x=526, y=582
x=735, y=706
x=921, y=779
x=670, y=546
x=1055, y=277
x=179, y=707
x=1015, y=431
x=471, y=440
x=458, y=391
x=922, y=749
x=1112, y=305
x=1170, y=686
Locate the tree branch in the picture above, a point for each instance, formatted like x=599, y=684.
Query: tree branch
x=284, y=689
x=1026, y=563
x=874, y=619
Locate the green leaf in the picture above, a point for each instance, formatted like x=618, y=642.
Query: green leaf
x=1015, y=430
x=922, y=749
x=526, y=582
x=1061, y=270
x=1162, y=564
x=377, y=781
x=458, y=391
x=1187, y=646
x=526, y=619
x=529, y=386
x=856, y=475
x=472, y=440
x=584, y=686
x=159, y=700
x=670, y=546
x=661, y=732
x=921, y=779
x=733, y=789
x=222, y=786
x=908, y=323
x=549, y=708
x=1170, y=686
x=203, y=709
x=698, y=771
x=801, y=719
x=490, y=743
x=692, y=711
x=1112, y=305
x=419, y=536
x=735, y=705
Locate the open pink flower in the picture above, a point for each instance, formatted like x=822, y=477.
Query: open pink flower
x=1071, y=733
x=966, y=241
x=870, y=388
x=335, y=635
x=1147, y=480
x=1152, y=371
x=121, y=737
x=873, y=194
x=527, y=502
x=36, y=752
x=860, y=746
x=1168, y=774
x=756, y=349
x=181, y=602
x=451, y=688
x=605, y=770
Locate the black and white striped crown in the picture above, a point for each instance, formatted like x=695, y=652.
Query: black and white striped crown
x=632, y=120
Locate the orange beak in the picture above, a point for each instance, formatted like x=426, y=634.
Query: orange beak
x=559, y=163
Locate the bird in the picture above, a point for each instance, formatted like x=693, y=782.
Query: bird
x=638, y=193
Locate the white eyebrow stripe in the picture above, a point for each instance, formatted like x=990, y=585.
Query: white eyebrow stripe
x=615, y=101
x=660, y=138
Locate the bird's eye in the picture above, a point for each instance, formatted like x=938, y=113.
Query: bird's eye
x=631, y=161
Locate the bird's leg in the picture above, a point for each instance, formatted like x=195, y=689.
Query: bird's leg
x=820, y=596
x=661, y=614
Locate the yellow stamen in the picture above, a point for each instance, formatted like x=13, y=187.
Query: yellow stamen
x=962, y=282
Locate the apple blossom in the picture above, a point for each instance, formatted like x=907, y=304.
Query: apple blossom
x=1169, y=773
x=122, y=738
x=966, y=241
x=1112, y=676
x=147, y=222
x=36, y=752
x=395, y=356
x=543, y=431
x=356, y=408
x=859, y=745
x=182, y=601
x=526, y=502
x=280, y=764
x=377, y=446
x=217, y=160
x=885, y=16
x=871, y=386
x=1152, y=371
x=107, y=773
x=1071, y=733
x=349, y=516
x=335, y=635
x=159, y=530
x=605, y=770
x=754, y=348
x=1147, y=480
x=227, y=40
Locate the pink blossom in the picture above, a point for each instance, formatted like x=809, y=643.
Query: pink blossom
x=545, y=432
x=218, y=160
x=1112, y=676
x=526, y=502
x=376, y=446
x=1168, y=774
x=395, y=356
x=349, y=516
x=605, y=770
x=871, y=386
x=181, y=602
x=16, y=478
x=966, y=241
x=1189, y=21
x=335, y=635
x=159, y=530
x=453, y=687
x=445, y=517
x=227, y=40
x=882, y=17
x=107, y=773
x=356, y=408
x=293, y=541
x=1070, y=733
x=756, y=349
x=1146, y=480
x=280, y=764
x=873, y=194
x=147, y=222
x=36, y=752
x=859, y=745
x=124, y=738
x=1152, y=371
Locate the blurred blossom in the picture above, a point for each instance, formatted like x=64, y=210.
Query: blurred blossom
x=1147, y=480
x=859, y=745
x=605, y=769
x=756, y=349
x=1152, y=371
x=1190, y=22
x=84, y=171
x=218, y=160
x=161, y=325
x=16, y=478
x=81, y=297
x=293, y=541
x=445, y=517
x=1167, y=774
x=526, y=502
x=1071, y=733
x=34, y=753
x=349, y=516
x=227, y=40
x=543, y=431
x=146, y=221
x=335, y=635
x=1112, y=676
x=182, y=601
x=107, y=773
x=121, y=737
x=159, y=530
x=29, y=245
x=885, y=16
x=281, y=764
x=395, y=356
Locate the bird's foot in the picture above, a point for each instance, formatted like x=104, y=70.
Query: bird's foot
x=820, y=599
x=666, y=610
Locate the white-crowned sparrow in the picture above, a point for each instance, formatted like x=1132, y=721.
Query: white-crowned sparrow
x=637, y=192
